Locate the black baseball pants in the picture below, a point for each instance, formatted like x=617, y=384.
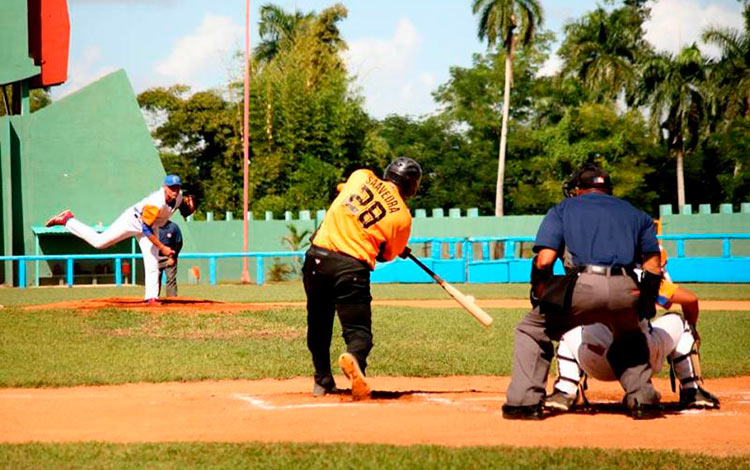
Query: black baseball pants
x=335, y=282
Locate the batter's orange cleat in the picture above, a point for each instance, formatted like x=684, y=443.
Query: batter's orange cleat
x=60, y=219
x=350, y=366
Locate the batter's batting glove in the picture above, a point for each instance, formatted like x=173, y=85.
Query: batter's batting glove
x=405, y=254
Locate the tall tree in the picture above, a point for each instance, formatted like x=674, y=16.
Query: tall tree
x=730, y=77
x=498, y=21
x=603, y=49
x=277, y=30
x=674, y=89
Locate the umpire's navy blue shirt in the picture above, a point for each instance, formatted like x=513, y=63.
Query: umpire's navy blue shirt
x=598, y=229
x=171, y=236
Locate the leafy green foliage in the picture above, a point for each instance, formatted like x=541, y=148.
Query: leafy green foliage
x=616, y=103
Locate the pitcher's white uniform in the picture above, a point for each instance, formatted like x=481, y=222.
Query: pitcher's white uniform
x=587, y=346
x=140, y=220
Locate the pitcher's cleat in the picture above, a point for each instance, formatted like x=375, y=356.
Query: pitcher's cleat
x=153, y=302
x=350, y=366
x=697, y=398
x=60, y=219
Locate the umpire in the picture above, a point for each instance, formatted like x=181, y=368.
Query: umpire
x=171, y=236
x=600, y=239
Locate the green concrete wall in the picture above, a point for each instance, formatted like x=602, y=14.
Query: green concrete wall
x=6, y=198
x=15, y=63
x=266, y=235
x=707, y=223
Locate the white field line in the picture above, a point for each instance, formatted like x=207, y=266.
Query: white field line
x=264, y=405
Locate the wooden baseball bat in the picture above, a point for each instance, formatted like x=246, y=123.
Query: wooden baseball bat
x=480, y=315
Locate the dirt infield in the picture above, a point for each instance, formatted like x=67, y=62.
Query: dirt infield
x=449, y=411
x=184, y=304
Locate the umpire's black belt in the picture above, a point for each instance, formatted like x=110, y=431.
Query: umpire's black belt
x=605, y=270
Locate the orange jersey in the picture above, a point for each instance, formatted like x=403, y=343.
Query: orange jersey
x=367, y=220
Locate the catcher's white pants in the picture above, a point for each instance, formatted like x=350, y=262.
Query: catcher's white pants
x=127, y=225
x=586, y=347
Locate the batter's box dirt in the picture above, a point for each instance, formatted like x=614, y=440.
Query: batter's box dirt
x=448, y=411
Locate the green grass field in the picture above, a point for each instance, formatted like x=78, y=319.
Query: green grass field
x=293, y=291
x=65, y=347
x=343, y=456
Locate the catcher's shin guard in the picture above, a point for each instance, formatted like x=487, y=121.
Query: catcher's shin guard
x=685, y=360
x=568, y=370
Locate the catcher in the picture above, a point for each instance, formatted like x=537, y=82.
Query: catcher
x=670, y=337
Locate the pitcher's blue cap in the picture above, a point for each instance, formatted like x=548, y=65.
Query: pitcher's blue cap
x=172, y=180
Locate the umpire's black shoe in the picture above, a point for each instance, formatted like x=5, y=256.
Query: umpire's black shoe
x=532, y=412
x=646, y=411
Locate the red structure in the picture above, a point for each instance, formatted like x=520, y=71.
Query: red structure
x=49, y=40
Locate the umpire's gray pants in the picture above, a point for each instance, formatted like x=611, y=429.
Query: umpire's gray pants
x=596, y=298
x=171, y=273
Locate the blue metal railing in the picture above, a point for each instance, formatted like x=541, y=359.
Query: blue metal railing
x=458, y=268
x=118, y=257
x=513, y=265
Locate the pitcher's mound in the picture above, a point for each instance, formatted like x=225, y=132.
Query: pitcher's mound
x=175, y=304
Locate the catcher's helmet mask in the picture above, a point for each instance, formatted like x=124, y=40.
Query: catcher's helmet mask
x=406, y=174
x=588, y=177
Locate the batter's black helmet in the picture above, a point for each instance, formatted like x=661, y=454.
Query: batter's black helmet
x=588, y=177
x=406, y=174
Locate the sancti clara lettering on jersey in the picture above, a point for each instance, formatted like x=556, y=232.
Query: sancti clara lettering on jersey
x=384, y=191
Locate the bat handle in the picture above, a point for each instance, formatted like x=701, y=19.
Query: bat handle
x=426, y=269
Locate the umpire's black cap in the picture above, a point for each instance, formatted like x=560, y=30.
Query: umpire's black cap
x=594, y=177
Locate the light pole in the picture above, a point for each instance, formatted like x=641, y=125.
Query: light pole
x=245, y=146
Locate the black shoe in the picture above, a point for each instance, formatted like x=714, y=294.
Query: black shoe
x=523, y=411
x=646, y=411
x=326, y=386
x=698, y=398
x=560, y=402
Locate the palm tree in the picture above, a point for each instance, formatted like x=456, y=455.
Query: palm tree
x=602, y=50
x=498, y=21
x=277, y=30
x=730, y=76
x=674, y=89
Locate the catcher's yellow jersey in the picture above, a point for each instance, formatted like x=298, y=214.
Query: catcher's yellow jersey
x=368, y=220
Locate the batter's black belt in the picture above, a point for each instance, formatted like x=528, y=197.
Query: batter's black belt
x=605, y=270
x=316, y=250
